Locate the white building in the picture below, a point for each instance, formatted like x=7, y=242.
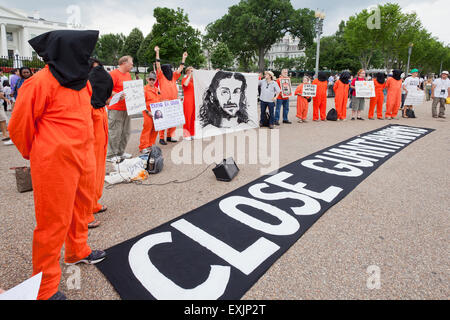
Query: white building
x=285, y=48
x=16, y=28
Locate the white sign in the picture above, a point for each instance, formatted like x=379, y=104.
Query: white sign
x=27, y=290
x=309, y=90
x=414, y=97
x=167, y=114
x=134, y=96
x=286, y=88
x=116, y=98
x=225, y=102
x=365, y=89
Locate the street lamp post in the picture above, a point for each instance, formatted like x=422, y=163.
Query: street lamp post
x=409, y=58
x=320, y=16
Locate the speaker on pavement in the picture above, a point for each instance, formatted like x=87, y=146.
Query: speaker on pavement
x=226, y=171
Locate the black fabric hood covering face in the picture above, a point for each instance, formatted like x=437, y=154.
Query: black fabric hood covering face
x=397, y=74
x=167, y=71
x=102, y=86
x=345, y=77
x=322, y=76
x=381, y=78
x=67, y=54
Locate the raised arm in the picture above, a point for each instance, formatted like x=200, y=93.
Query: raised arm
x=183, y=60
x=158, y=61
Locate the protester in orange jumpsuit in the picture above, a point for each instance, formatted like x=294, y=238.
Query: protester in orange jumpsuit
x=52, y=127
x=148, y=135
x=167, y=81
x=341, y=88
x=102, y=86
x=302, y=102
x=189, y=104
x=394, y=94
x=320, y=100
x=378, y=100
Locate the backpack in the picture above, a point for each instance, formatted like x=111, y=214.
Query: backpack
x=332, y=115
x=155, y=162
x=410, y=113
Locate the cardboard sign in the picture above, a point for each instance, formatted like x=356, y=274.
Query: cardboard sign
x=365, y=89
x=309, y=90
x=167, y=114
x=286, y=88
x=135, y=97
x=414, y=97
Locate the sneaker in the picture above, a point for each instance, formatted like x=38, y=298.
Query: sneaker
x=96, y=256
x=126, y=156
x=115, y=159
x=145, y=151
x=442, y=117
x=8, y=143
x=58, y=296
x=171, y=140
x=300, y=121
x=163, y=142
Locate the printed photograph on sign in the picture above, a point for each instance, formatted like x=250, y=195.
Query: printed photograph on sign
x=309, y=90
x=225, y=102
x=167, y=114
x=365, y=89
x=134, y=96
x=286, y=88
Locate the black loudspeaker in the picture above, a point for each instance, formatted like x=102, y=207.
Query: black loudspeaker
x=226, y=171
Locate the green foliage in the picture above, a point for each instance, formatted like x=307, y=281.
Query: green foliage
x=173, y=35
x=109, y=48
x=221, y=57
x=132, y=44
x=252, y=26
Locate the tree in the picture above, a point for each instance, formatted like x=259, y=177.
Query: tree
x=109, y=48
x=221, y=57
x=132, y=44
x=253, y=26
x=173, y=34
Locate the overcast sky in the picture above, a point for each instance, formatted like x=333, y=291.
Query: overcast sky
x=114, y=16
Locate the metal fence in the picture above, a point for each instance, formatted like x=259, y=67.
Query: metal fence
x=7, y=64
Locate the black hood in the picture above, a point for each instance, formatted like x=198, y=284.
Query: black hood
x=322, y=76
x=67, y=54
x=381, y=78
x=167, y=71
x=345, y=77
x=397, y=74
x=102, y=86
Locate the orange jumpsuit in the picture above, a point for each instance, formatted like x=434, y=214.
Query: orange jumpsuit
x=394, y=97
x=100, y=123
x=169, y=91
x=341, y=99
x=148, y=135
x=189, y=108
x=377, y=101
x=52, y=127
x=320, y=100
x=302, y=103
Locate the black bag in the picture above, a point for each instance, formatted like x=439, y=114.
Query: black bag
x=155, y=162
x=332, y=115
x=410, y=113
x=23, y=179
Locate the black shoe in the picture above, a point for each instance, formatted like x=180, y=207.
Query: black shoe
x=171, y=140
x=96, y=256
x=353, y=118
x=360, y=119
x=287, y=121
x=164, y=143
x=58, y=296
x=277, y=123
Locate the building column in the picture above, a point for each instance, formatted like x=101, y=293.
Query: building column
x=26, y=49
x=4, y=41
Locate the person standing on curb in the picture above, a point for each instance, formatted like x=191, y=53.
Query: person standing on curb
x=269, y=92
x=439, y=94
x=282, y=101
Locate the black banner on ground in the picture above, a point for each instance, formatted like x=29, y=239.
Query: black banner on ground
x=218, y=251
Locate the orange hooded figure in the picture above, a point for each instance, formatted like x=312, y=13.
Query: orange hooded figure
x=341, y=88
x=394, y=94
x=320, y=100
x=378, y=100
x=102, y=86
x=148, y=135
x=189, y=104
x=52, y=127
x=302, y=103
